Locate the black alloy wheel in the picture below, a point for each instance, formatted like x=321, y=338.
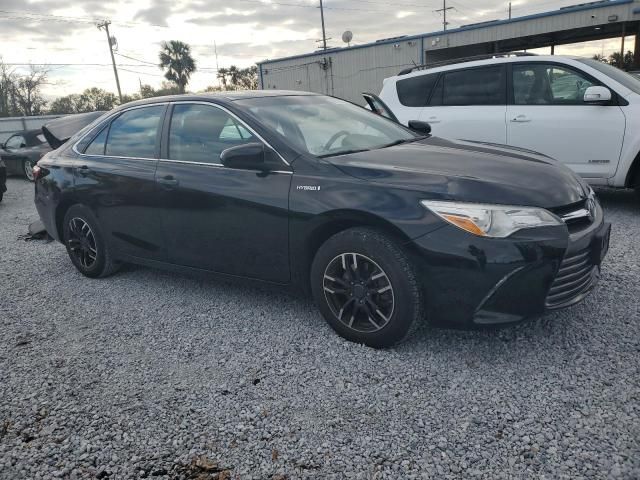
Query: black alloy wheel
x=366, y=287
x=86, y=246
x=358, y=292
x=82, y=242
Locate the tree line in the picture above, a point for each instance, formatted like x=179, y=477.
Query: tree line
x=21, y=94
x=625, y=62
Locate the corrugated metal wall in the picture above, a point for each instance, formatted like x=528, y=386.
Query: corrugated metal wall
x=346, y=72
x=343, y=73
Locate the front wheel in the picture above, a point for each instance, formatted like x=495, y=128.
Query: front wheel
x=27, y=167
x=86, y=245
x=366, y=288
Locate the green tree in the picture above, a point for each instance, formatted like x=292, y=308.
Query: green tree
x=624, y=62
x=600, y=58
x=176, y=60
x=234, y=78
x=91, y=100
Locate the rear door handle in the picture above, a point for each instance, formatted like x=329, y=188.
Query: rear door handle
x=168, y=182
x=521, y=119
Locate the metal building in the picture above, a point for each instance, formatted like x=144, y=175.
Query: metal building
x=346, y=72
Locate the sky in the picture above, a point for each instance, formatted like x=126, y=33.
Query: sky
x=62, y=34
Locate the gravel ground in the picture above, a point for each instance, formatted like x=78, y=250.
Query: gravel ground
x=158, y=375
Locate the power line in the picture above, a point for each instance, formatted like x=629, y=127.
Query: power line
x=136, y=59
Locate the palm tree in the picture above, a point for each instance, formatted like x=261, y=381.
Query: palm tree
x=176, y=59
x=222, y=75
x=234, y=74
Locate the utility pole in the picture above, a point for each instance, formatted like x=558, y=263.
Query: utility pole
x=444, y=13
x=215, y=50
x=324, y=35
x=509, y=10
x=105, y=24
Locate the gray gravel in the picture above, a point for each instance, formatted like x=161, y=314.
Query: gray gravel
x=153, y=374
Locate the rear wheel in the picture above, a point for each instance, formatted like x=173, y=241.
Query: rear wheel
x=86, y=245
x=366, y=288
x=636, y=184
x=27, y=168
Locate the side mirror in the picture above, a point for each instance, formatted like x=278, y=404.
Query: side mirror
x=419, y=126
x=250, y=156
x=597, y=95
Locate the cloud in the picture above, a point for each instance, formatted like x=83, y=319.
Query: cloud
x=245, y=31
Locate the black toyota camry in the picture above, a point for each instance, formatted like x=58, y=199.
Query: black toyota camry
x=384, y=226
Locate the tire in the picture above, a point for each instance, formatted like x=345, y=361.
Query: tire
x=27, y=169
x=86, y=245
x=391, y=285
x=1, y=195
x=636, y=184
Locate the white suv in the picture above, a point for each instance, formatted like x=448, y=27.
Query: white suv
x=583, y=113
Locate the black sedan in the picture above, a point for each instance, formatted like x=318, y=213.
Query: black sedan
x=22, y=151
x=3, y=179
x=384, y=226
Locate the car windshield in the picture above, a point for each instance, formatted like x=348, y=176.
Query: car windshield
x=630, y=81
x=325, y=126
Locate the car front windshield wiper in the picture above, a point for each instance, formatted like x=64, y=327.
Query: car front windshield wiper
x=343, y=152
x=406, y=140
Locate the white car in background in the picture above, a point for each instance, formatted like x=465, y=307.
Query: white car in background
x=581, y=112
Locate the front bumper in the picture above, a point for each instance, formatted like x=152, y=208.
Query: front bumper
x=470, y=280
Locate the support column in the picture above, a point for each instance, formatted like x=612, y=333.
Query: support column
x=624, y=34
x=636, y=49
x=553, y=49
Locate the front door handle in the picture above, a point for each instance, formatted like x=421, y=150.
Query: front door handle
x=433, y=120
x=84, y=170
x=168, y=182
x=521, y=119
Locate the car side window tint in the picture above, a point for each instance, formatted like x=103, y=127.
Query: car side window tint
x=135, y=133
x=199, y=133
x=415, y=91
x=96, y=147
x=543, y=84
x=476, y=86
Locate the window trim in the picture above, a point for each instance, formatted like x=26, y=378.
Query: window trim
x=164, y=151
x=511, y=99
x=107, y=124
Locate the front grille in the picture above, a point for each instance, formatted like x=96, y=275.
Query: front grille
x=574, y=278
x=577, y=216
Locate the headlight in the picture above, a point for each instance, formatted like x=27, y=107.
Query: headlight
x=498, y=221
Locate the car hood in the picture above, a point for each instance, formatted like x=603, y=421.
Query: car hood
x=468, y=171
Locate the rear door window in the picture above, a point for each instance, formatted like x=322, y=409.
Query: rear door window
x=415, y=91
x=475, y=86
x=135, y=133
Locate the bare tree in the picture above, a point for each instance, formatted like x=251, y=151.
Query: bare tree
x=28, y=91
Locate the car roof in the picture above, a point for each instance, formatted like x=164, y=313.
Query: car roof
x=424, y=69
x=219, y=97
